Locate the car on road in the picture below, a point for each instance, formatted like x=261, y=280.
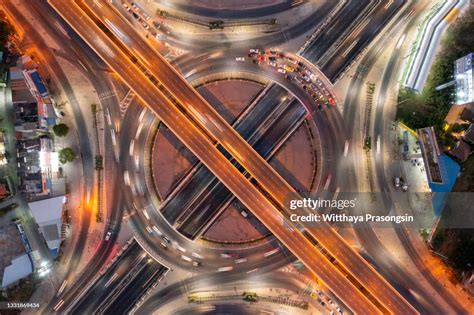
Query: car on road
x=195, y=255
x=239, y=58
x=397, y=182
x=404, y=187
x=293, y=61
x=281, y=70
x=289, y=69
x=108, y=235
x=253, y=51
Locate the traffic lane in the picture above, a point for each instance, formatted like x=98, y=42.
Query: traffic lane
x=222, y=282
x=301, y=95
x=109, y=281
x=367, y=236
x=248, y=127
x=135, y=289
x=242, y=13
x=271, y=138
x=184, y=93
x=371, y=244
x=213, y=260
x=199, y=177
x=345, y=18
x=379, y=126
x=212, y=257
x=329, y=140
x=376, y=21
x=191, y=188
x=195, y=43
x=347, y=262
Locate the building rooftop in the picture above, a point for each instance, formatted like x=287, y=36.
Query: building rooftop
x=469, y=135
x=462, y=151
x=431, y=153
x=48, y=214
x=464, y=80
x=21, y=267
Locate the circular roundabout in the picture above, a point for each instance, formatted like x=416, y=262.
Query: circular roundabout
x=182, y=214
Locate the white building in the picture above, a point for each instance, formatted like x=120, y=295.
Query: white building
x=48, y=214
x=20, y=267
x=464, y=78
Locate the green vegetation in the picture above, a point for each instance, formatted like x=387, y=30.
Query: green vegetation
x=429, y=107
x=60, y=130
x=66, y=155
x=457, y=245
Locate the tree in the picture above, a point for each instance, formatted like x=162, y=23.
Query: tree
x=60, y=130
x=66, y=155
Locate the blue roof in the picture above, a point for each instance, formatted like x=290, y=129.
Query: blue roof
x=54, y=252
x=449, y=172
x=38, y=83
